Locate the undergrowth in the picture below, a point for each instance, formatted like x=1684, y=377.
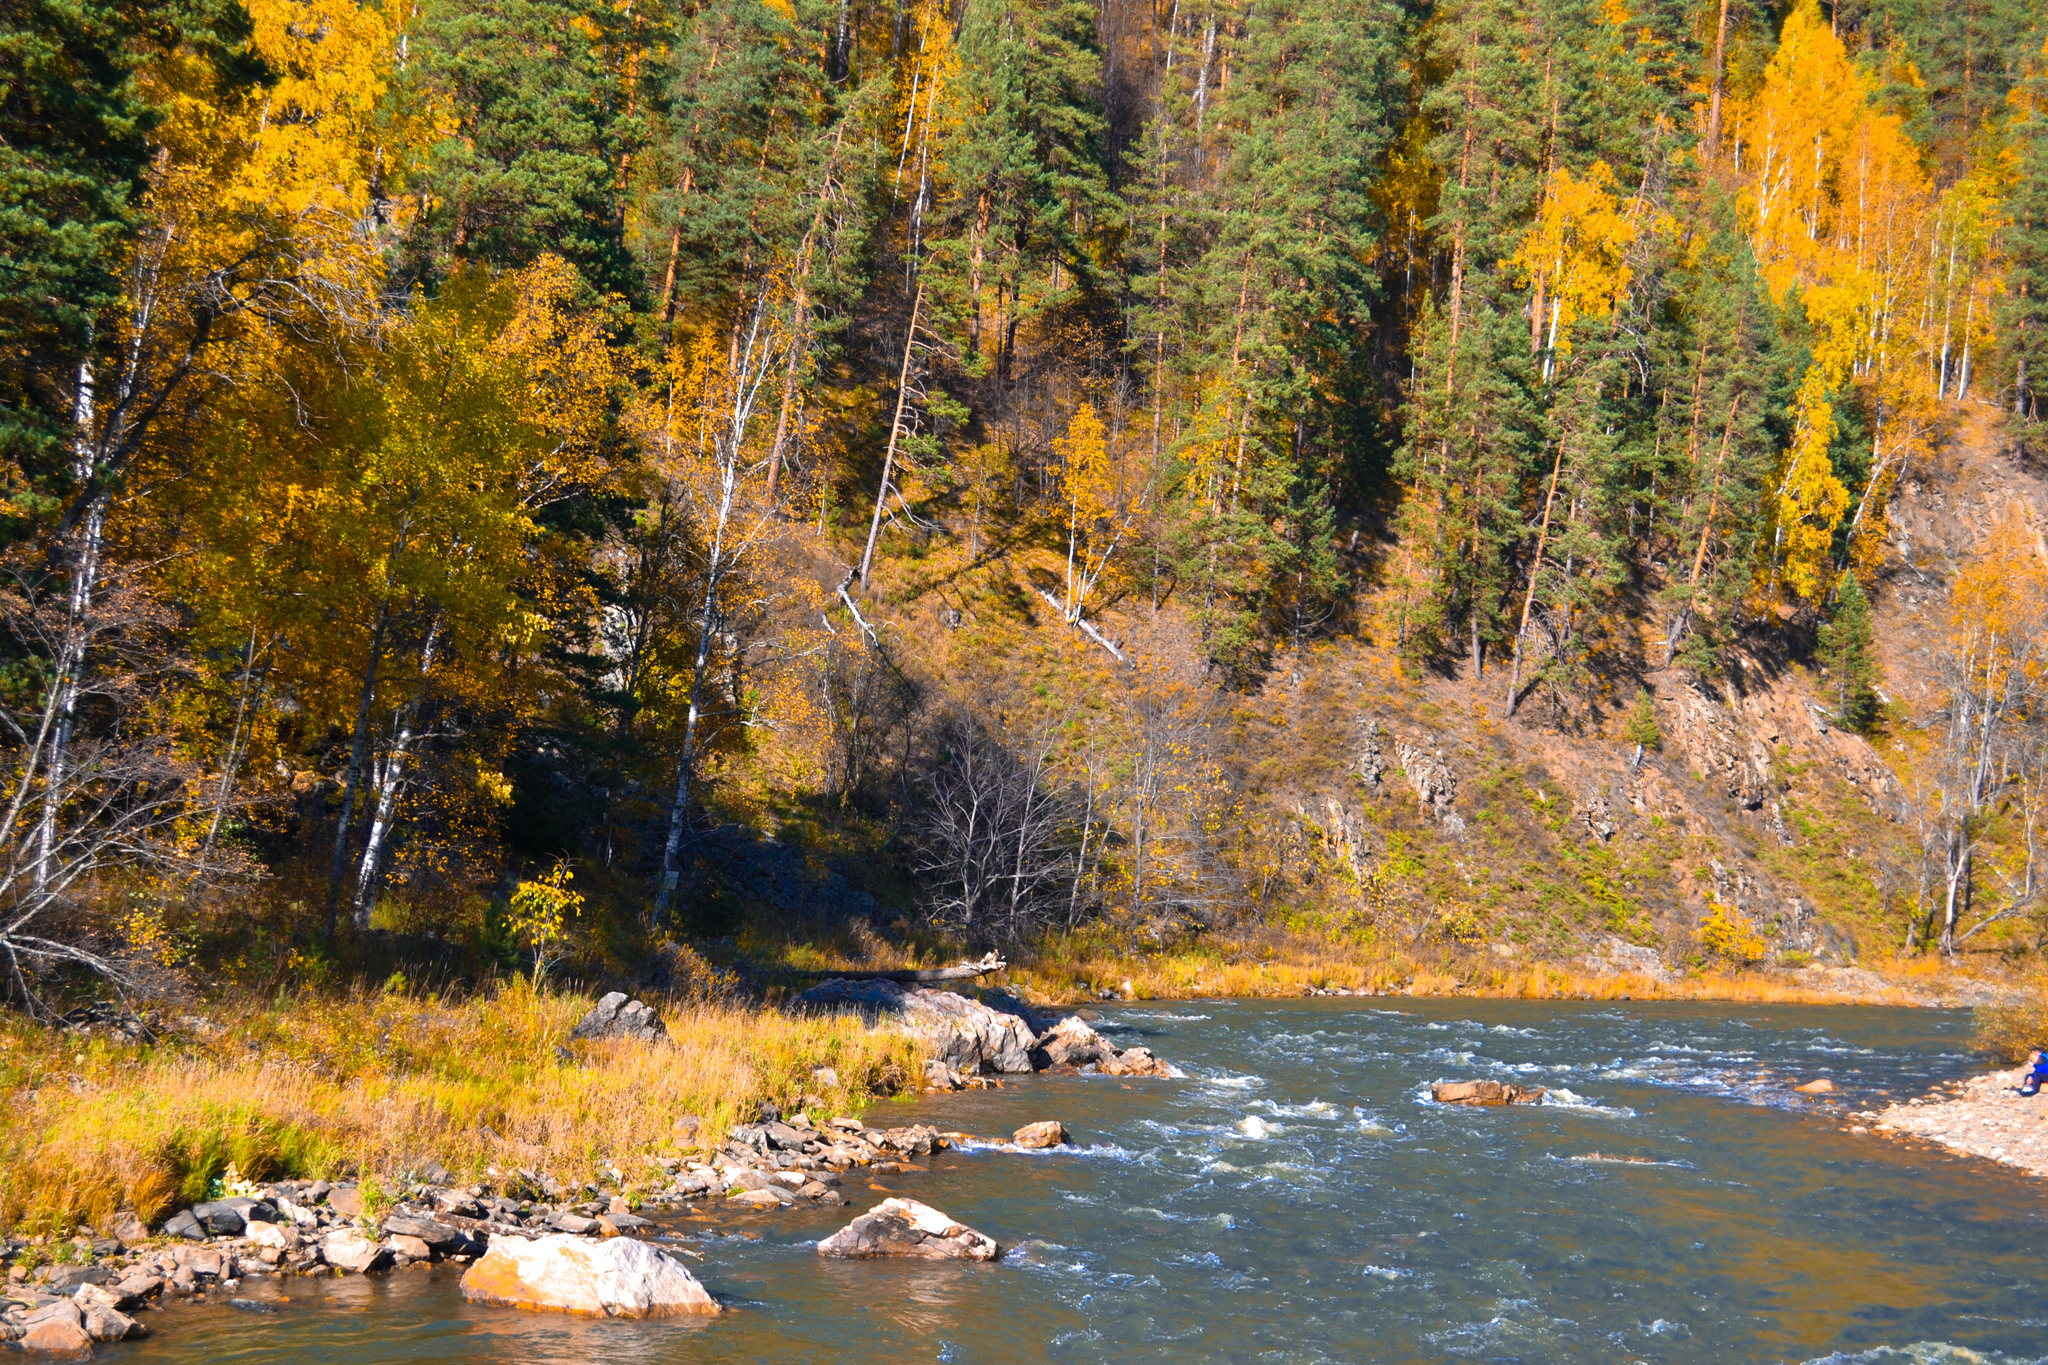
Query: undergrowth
x=381, y=1082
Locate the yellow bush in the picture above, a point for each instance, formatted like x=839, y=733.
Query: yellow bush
x=1726, y=935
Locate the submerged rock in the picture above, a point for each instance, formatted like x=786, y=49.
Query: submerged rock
x=904, y=1227
x=1485, y=1092
x=1819, y=1087
x=616, y=1278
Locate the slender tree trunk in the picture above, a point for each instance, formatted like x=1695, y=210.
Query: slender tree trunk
x=352, y=779
x=895, y=434
x=391, y=780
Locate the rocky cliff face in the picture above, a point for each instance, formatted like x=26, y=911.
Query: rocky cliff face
x=1415, y=810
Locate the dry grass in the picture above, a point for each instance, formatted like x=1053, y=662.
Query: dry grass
x=1284, y=966
x=378, y=1083
x=2011, y=1031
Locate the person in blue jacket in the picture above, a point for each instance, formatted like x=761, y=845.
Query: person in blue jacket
x=2037, y=1063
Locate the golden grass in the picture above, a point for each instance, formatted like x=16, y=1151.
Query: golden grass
x=1285, y=965
x=378, y=1083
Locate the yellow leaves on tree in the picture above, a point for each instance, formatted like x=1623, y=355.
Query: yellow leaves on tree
x=1836, y=195
x=1104, y=493
x=1810, y=500
x=1998, y=606
x=1576, y=251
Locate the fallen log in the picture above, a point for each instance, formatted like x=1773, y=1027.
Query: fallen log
x=966, y=971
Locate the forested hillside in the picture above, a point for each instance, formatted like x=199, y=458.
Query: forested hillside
x=519, y=480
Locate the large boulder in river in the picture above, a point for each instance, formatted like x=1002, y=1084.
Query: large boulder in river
x=615, y=1016
x=967, y=1035
x=1071, y=1042
x=1044, y=1133
x=619, y=1277
x=1485, y=1093
x=904, y=1227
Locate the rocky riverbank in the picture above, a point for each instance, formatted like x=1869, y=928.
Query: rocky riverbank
x=63, y=1295
x=1983, y=1116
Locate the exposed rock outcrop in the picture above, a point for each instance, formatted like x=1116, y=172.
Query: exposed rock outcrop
x=904, y=1227
x=1435, y=783
x=969, y=1036
x=616, y=1016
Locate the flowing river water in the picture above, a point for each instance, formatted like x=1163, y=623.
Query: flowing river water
x=1299, y=1199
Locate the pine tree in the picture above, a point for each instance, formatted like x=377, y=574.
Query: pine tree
x=539, y=128
x=1847, y=653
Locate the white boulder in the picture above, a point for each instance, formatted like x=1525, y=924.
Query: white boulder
x=615, y=1278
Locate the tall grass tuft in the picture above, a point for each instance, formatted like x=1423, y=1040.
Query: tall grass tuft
x=378, y=1083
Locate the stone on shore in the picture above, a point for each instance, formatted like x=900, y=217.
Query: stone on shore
x=353, y=1250
x=616, y=1278
x=616, y=1016
x=904, y=1227
x=1485, y=1093
x=56, y=1329
x=1044, y=1133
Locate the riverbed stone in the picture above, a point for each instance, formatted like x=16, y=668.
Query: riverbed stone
x=1044, y=1133
x=904, y=1227
x=183, y=1224
x=410, y=1247
x=1485, y=1093
x=1816, y=1087
x=620, y=1277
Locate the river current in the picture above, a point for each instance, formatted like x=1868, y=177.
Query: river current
x=1298, y=1198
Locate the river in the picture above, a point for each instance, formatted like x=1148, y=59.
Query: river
x=1298, y=1199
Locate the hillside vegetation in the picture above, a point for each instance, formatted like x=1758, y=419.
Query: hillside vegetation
x=1241, y=497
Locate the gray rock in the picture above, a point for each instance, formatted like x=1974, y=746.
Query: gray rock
x=439, y=1236
x=111, y=1324
x=969, y=1036
x=616, y=1016
x=183, y=1224
x=572, y=1222
x=904, y=1227
x=64, y=1278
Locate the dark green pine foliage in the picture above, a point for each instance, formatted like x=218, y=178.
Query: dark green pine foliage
x=2023, y=309
x=749, y=118
x=1846, y=649
x=1260, y=281
x=71, y=166
x=1027, y=166
x=1722, y=392
x=540, y=131
x=74, y=126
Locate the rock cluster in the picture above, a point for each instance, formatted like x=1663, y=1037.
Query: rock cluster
x=1485, y=1092
x=1984, y=1116
x=995, y=1035
x=1071, y=1044
x=779, y=1162
x=904, y=1227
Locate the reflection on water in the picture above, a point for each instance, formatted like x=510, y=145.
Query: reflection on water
x=1299, y=1199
